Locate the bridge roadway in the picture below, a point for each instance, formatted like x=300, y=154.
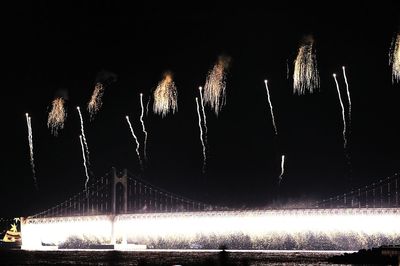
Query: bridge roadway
x=189, y=227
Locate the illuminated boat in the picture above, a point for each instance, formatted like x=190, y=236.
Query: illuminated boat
x=12, y=238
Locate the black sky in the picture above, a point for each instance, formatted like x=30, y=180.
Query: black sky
x=52, y=45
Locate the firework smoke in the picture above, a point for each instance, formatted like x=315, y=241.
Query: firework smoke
x=30, y=140
x=165, y=96
x=203, y=112
x=84, y=162
x=57, y=116
x=282, y=168
x=215, y=87
x=143, y=127
x=96, y=102
x=394, y=58
x=305, y=76
x=343, y=113
x=270, y=106
x=201, y=136
x=348, y=93
x=83, y=135
x=136, y=140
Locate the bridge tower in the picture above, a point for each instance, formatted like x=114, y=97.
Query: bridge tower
x=117, y=182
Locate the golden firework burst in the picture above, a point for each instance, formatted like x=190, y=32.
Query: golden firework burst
x=165, y=96
x=96, y=102
x=215, y=87
x=306, y=76
x=57, y=116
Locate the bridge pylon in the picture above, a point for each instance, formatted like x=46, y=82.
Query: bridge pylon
x=118, y=182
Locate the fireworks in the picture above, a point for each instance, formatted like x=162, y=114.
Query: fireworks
x=201, y=136
x=270, y=106
x=282, y=168
x=57, y=116
x=394, y=58
x=305, y=76
x=147, y=106
x=165, y=96
x=203, y=112
x=215, y=88
x=83, y=134
x=84, y=162
x=29, y=124
x=349, y=229
x=343, y=113
x=287, y=69
x=348, y=93
x=143, y=127
x=136, y=140
x=96, y=102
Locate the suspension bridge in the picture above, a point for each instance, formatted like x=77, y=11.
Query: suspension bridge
x=122, y=210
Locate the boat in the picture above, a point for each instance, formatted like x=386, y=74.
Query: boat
x=12, y=238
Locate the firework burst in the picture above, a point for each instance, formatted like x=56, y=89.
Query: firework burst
x=394, y=58
x=96, y=101
x=305, y=76
x=30, y=140
x=215, y=87
x=57, y=116
x=165, y=96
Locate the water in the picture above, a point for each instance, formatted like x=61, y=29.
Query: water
x=165, y=257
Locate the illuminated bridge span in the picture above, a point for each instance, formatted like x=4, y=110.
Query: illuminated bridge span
x=116, y=193
x=123, y=210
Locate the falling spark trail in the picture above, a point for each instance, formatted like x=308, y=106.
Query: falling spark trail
x=394, y=58
x=215, y=87
x=96, y=102
x=84, y=162
x=147, y=106
x=305, y=75
x=136, y=140
x=201, y=136
x=203, y=112
x=165, y=96
x=282, y=168
x=143, y=127
x=287, y=69
x=343, y=113
x=270, y=106
x=29, y=124
x=83, y=135
x=348, y=93
x=57, y=116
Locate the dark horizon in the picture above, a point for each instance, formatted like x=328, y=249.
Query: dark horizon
x=52, y=46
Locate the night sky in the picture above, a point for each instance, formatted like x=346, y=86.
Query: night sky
x=49, y=46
